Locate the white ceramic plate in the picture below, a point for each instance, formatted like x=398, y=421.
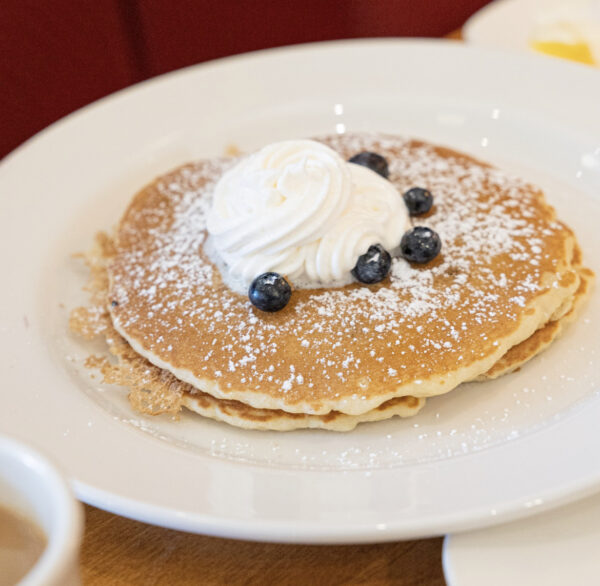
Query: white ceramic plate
x=553, y=549
x=513, y=24
x=482, y=454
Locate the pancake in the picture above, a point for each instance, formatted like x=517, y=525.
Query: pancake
x=542, y=338
x=504, y=272
x=155, y=391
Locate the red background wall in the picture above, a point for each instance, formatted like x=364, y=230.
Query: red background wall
x=59, y=55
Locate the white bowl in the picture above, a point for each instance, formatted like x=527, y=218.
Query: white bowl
x=32, y=486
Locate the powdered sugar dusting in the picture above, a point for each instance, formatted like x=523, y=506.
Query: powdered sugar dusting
x=496, y=238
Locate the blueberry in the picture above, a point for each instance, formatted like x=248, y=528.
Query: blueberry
x=373, y=161
x=420, y=245
x=418, y=201
x=269, y=292
x=373, y=266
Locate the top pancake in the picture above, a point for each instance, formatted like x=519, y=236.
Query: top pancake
x=504, y=270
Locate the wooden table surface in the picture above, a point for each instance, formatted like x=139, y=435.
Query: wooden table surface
x=119, y=551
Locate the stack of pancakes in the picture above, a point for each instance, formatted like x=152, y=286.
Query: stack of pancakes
x=508, y=279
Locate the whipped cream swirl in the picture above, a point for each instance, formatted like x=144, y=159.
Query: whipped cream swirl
x=298, y=209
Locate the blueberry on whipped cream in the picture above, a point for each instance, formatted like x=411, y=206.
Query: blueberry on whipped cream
x=372, y=161
x=298, y=209
x=373, y=266
x=420, y=245
x=269, y=292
